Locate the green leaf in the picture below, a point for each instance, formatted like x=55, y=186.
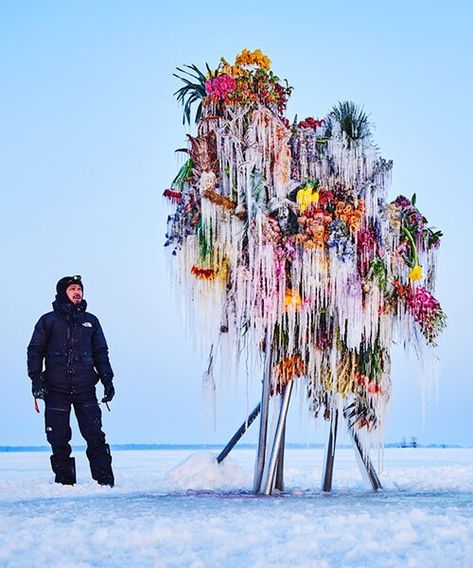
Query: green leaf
x=182, y=175
x=193, y=90
x=352, y=119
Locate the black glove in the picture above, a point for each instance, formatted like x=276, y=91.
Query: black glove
x=108, y=391
x=38, y=387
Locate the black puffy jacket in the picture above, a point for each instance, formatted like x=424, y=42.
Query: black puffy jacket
x=73, y=344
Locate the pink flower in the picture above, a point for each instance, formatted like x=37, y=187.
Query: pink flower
x=426, y=311
x=220, y=86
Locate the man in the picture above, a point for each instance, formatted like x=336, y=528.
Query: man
x=72, y=343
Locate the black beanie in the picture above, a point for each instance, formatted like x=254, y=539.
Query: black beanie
x=62, y=285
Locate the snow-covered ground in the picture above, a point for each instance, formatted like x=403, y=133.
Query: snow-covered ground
x=179, y=508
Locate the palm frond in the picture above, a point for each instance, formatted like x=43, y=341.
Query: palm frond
x=193, y=89
x=352, y=119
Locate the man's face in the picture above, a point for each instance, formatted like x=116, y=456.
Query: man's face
x=74, y=293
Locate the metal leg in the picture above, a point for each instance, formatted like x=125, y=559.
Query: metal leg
x=364, y=463
x=330, y=452
x=263, y=429
x=239, y=433
x=278, y=436
x=279, y=484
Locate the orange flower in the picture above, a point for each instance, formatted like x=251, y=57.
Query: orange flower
x=219, y=200
x=203, y=273
x=287, y=369
x=350, y=214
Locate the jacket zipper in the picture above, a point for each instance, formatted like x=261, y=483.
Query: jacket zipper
x=69, y=352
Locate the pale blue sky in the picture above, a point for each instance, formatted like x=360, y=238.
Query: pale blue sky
x=88, y=128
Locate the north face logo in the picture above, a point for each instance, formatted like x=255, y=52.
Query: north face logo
x=87, y=324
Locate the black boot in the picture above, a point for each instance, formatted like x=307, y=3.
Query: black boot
x=100, y=460
x=105, y=478
x=65, y=470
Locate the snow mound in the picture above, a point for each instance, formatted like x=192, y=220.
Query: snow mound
x=200, y=471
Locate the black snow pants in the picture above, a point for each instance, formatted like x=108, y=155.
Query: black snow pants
x=59, y=433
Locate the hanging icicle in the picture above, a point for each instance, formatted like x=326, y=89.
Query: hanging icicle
x=284, y=232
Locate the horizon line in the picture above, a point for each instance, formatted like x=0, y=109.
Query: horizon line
x=247, y=446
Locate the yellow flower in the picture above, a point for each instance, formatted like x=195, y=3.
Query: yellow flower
x=292, y=299
x=416, y=273
x=232, y=70
x=236, y=71
x=247, y=58
x=306, y=196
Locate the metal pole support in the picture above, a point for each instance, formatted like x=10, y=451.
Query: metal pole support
x=263, y=429
x=279, y=483
x=364, y=463
x=330, y=452
x=239, y=433
x=278, y=437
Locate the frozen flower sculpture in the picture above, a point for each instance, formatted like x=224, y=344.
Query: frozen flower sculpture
x=288, y=246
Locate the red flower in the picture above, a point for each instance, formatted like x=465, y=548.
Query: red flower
x=174, y=196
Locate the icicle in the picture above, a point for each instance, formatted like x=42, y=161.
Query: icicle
x=332, y=283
